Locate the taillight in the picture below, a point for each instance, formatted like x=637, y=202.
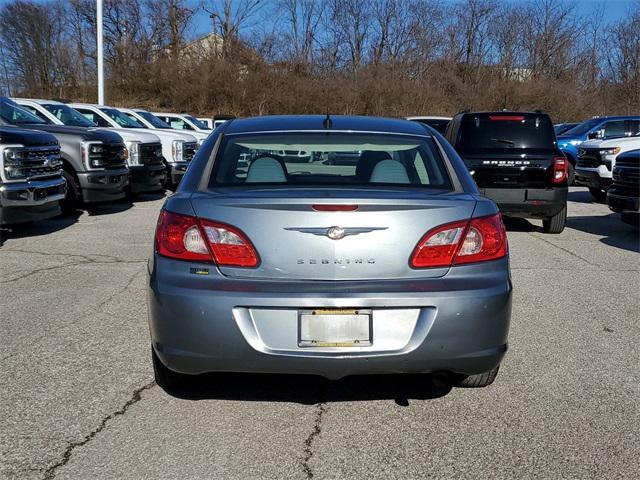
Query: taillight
x=475, y=240
x=230, y=247
x=560, y=168
x=189, y=238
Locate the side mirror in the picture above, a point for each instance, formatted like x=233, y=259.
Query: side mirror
x=596, y=134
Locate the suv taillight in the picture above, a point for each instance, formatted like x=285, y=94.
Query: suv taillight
x=560, y=168
x=476, y=240
x=189, y=238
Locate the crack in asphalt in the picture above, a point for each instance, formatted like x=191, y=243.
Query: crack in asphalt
x=88, y=257
x=566, y=251
x=577, y=270
x=321, y=408
x=87, y=261
x=50, y=472
x=91, y=310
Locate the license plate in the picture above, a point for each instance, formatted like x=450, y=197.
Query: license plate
x=334, y=328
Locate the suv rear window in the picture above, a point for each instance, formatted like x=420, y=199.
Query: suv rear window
x=505, y=130
x=328, y=159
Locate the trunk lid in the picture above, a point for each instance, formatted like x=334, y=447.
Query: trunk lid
x=292, y=239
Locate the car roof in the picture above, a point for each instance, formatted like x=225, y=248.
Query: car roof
x=615, y=117
x=279, y=123
x=503, y=112
x=40, y=101
x=427, y=117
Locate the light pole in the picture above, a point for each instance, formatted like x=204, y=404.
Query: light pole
x=100, y=52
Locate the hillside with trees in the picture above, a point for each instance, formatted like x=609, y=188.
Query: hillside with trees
x=379, y=57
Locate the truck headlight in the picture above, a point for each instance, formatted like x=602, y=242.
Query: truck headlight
x=132, y=153
x=177, y=150
x=610, y=151
x=93, y=154
x=12, y=158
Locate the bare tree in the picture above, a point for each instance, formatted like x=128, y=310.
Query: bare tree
x=229, y=18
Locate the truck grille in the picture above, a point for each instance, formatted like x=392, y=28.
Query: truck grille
x=113, y=155
x=40, y=162
x=189, y=151
x=151, y=153
x=589, y=158
x=626, y=179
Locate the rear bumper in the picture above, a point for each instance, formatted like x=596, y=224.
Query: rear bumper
x=147, y=178
x=591, y=177
x=528, y=203
x=458, y=323
x=103, y=185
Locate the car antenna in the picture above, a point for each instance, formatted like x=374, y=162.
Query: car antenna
x=327, y=122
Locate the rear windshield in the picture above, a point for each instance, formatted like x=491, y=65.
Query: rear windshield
x=328, y=159
x=505, y=131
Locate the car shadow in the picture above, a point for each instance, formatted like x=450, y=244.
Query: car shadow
x=310, y=389
x=149, y=197
x=39, y=228
x=514, y=224
x=97, y=209
x=581, y=196
x=615, y=233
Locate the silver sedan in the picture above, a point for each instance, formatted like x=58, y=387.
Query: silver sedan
x=390, y=262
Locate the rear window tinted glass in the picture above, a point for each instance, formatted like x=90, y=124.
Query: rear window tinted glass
x=505, y=131
x=328, y=159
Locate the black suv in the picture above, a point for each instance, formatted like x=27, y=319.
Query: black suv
x=515, y=161
x=624, y=194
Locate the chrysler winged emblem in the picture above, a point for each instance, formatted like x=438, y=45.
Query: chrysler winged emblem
x=336, y=233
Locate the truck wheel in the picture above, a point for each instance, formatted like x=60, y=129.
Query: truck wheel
x=72, y=199
x=556, y=223
x=167, y=378
x=598, y=194
x=480, y=380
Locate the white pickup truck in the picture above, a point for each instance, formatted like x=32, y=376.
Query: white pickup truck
x=178, y=148
x=596, y=159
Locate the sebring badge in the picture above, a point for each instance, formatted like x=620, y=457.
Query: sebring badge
x=336, y=233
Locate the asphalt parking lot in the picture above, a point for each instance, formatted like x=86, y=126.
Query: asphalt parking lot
x=78, y=398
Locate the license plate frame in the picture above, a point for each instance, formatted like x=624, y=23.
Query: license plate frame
x=352, y=327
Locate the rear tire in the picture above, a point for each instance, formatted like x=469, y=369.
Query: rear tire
x=71, y=200
x=556, y=223
x=478, y=381
x=598, y=194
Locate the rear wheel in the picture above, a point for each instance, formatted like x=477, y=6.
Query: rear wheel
x=71, y=200
x=477, y=381
x=598, y=194
x=165, y=377
x=556, y=223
